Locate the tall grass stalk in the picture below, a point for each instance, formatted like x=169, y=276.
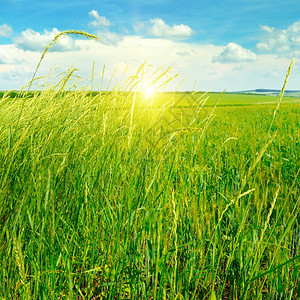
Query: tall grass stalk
x=117, y=195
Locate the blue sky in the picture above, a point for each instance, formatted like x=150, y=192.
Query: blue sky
x=229, y=44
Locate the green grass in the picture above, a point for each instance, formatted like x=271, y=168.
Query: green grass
x=114, y=196
x=186, y=99
x=189, y=99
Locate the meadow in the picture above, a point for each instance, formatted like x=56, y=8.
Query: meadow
x=119, y=195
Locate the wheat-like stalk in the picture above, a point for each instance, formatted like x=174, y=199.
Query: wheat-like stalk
x=56, y=39
x=175, y=239
x=281, y=95
x=19, y=260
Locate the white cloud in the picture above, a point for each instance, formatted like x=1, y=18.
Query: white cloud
x=7, y=57
x=106, y=37
x=267, y=71
x=99, y=20
x=102, y=24
x=233, y=53
x=5, y=30
x=14, y=77
x=183, y=53
x=35, y=41
x=160, y=29
x=281, y=41
x=139, y=26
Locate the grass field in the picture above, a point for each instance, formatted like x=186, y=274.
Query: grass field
x=118, y=196
x=187, y=99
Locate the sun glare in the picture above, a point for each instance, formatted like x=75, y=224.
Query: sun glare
x=149, y=91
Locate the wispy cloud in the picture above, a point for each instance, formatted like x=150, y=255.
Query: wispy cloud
x=234, y=53
x=14, y=77
x=5, y=58
x=5, y=30
x=99, y=21
x=266, y=71
x=35, y=41
x=162, y=30
x=183, y=53
x=281, y=41
x=102, y=24
x=8, y=55
x=193, y=61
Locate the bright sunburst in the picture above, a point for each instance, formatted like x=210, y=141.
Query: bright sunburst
x=149, y=91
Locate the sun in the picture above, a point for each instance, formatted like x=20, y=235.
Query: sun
x=149, y=91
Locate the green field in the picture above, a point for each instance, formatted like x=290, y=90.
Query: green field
x=188, y=99
x=123, y=195
x=116, y=196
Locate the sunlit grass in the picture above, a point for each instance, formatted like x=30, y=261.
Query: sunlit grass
x=105, y=197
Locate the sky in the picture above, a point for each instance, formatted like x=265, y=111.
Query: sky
x=211, y=44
